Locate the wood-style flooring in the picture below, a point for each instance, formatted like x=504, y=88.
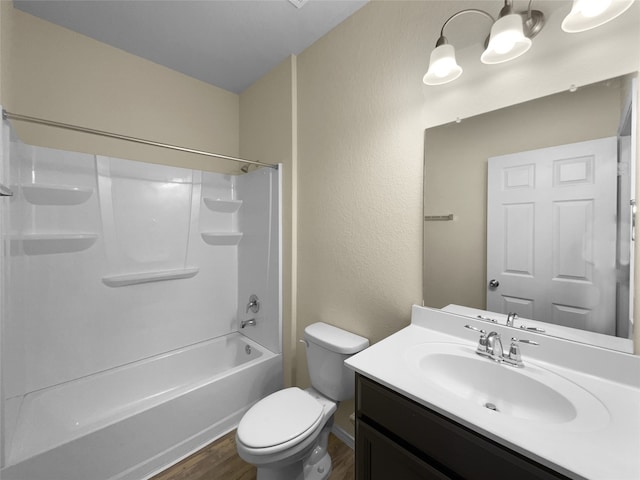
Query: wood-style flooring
x=219, y=461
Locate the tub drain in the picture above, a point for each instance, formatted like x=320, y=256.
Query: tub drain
x=247, y=348
x=491, y=406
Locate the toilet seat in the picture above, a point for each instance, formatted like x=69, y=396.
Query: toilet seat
x=279, y=421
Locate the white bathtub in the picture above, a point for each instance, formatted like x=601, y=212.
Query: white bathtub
x=132, y=421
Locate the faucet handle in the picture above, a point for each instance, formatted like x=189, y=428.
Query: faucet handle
x=481, y=349
x=254, y=304
x=532, y=329
x=476, y=329
x=515, y=358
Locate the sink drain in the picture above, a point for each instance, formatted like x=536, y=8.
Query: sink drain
x=491, y=406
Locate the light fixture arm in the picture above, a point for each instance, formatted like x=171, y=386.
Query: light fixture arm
x=442, y=40
x=532, y=21
x=508, y=8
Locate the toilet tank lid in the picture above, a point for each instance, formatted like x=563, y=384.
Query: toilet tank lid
x=334, y=338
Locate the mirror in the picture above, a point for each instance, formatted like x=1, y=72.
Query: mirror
x=559, y=249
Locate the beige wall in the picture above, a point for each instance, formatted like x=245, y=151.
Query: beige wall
x=53, y=73
x=268, y=111
x=456, y=170
x=359, y=174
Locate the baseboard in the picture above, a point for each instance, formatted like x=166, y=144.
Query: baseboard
x=343, y=435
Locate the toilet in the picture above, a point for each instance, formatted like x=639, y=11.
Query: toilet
x=285, y=435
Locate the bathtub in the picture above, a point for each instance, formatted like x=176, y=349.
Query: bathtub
x=133, y=421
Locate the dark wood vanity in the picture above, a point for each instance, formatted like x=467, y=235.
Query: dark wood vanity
x=399, y=439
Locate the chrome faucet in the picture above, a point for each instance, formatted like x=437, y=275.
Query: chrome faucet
x=251, y=322
x=511, y=318
x=494, y=347
x=490, y=346
x=481, y=349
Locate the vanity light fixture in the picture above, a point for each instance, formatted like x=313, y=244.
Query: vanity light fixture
x=510, y=37
x=512, y=32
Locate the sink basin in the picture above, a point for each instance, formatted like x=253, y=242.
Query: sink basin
x=530, y=394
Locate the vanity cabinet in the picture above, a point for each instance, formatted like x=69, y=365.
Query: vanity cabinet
x=397, y=438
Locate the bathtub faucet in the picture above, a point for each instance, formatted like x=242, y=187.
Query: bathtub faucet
x=251, y=322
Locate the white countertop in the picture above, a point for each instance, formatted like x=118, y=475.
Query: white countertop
x=609, y=451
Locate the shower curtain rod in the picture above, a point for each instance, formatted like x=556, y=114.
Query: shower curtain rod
x=24, y=118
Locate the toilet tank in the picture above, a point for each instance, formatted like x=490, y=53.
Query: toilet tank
x=327, y=349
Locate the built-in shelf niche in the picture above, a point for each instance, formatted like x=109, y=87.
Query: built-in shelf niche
x=49, y=194
x=150, y=276
x=222, y=206
x=222, y=238
x=46, y=244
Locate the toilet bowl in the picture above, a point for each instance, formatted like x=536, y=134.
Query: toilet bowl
x=285, y=435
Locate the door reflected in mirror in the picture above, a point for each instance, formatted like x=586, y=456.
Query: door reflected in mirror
x=540, y=195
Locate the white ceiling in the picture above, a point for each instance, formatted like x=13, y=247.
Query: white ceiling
x=227, y=43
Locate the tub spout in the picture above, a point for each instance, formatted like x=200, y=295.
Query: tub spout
x=251, y=322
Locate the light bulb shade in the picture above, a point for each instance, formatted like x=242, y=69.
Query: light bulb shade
x=443, y=67
x=507, y=40
x=588, y=14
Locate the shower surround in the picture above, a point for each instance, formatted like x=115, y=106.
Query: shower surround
x=124, y=287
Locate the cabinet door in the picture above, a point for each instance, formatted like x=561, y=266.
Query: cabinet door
x=453, y=448
x=379, y=458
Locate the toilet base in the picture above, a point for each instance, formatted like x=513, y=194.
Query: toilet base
x=318, y=465
x=290, y=472
x=315, y=466
x=297, y=471
x=320, y=470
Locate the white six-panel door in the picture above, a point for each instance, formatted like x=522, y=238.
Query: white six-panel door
x=551, y=234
